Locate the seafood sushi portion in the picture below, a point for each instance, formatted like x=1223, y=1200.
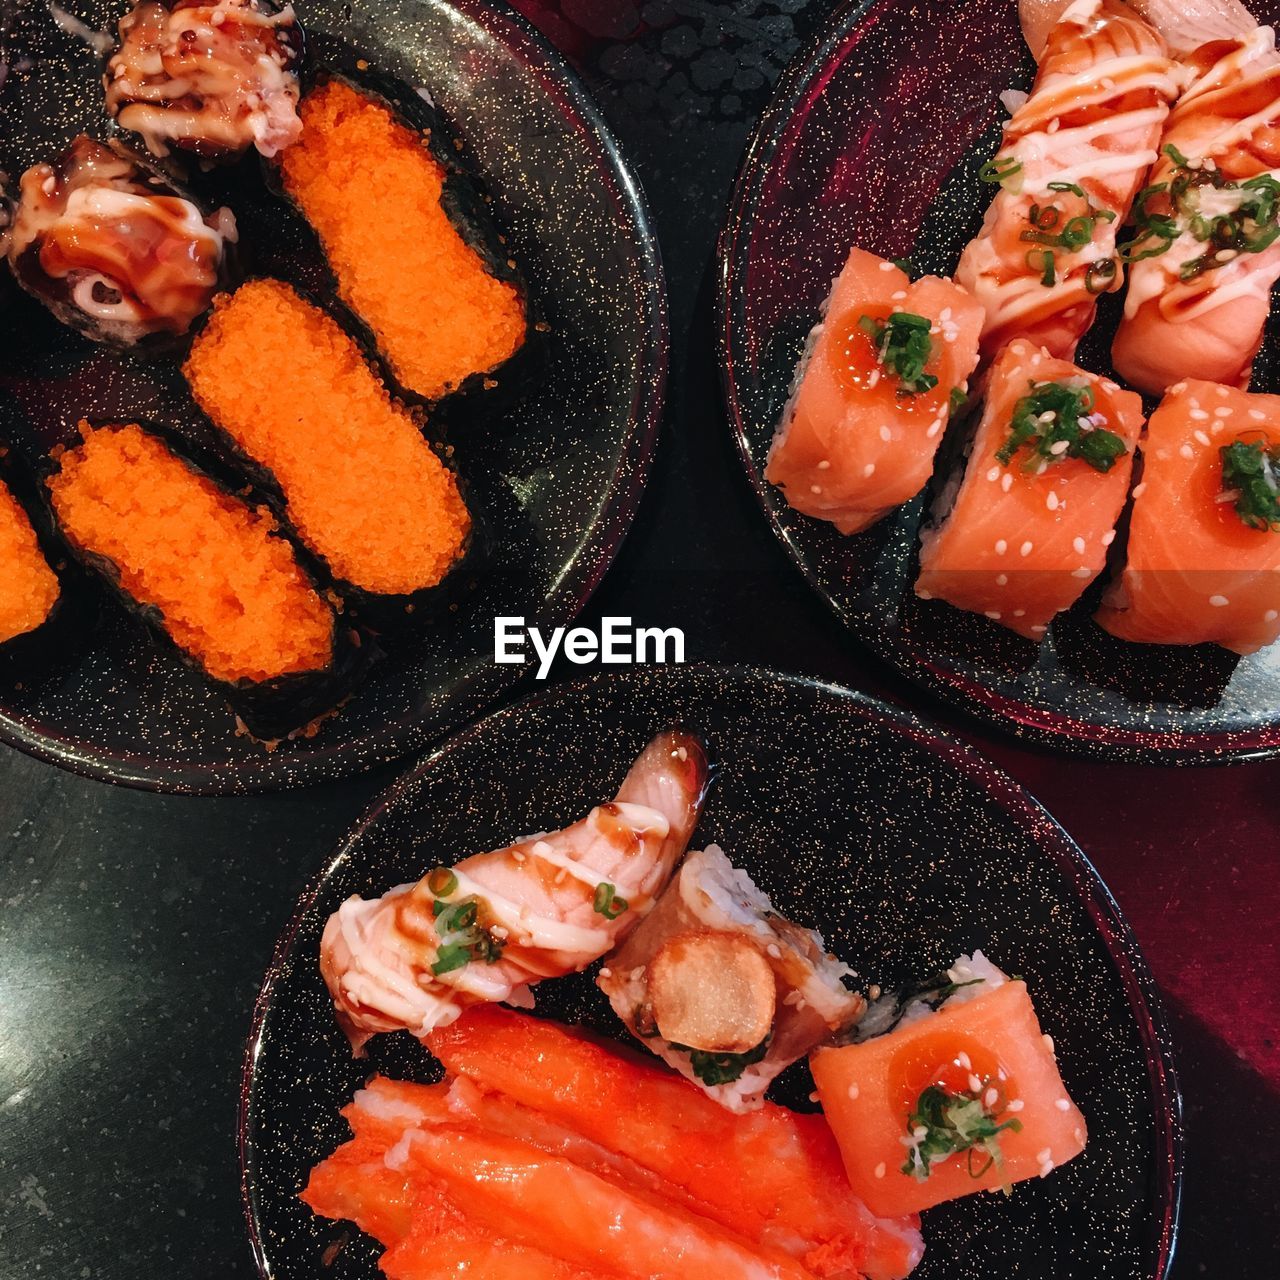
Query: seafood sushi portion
x=208, y=570
x=873, y=393
x=29, y=588
x=408, y=262
x=1206, y=244
x=361, y=486
x=1071, y=161
x=113, y=250
x=211, y=78
x=723, y=988
x=485, y=930
x=1203, y=557
x=961, y=1094
x=1045, y=483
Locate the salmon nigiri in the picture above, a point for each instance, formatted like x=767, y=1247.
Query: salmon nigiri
x=1043, y=488
x=873, y=393
x=485, y=929
x=1203, y=560
x=1206, y=246
x=1073, y=157
x=961, y=1094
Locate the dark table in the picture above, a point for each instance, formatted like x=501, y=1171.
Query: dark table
x=134, y=928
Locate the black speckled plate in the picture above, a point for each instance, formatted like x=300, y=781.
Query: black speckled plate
x=554, y=462
x=904, y=847
x=874, y=137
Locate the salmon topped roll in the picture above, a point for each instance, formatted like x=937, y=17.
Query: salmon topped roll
x=960, y=1093
x=1043, y=487
x=441, y=303
x=1073, y=156
x=1205, y=249
x=873, y=393
x=1203, y=557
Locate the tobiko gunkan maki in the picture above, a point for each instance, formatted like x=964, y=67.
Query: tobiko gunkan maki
x=442, y=306
x=361, y=486
x=29, y=588
x=211, y=572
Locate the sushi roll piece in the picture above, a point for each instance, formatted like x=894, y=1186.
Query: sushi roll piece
x=875, y=386
x=1202, y=564
x=359, y=483
x=1071, y=161
x=961, y=1093
x=723, y=988
x=1045, y=483
x=30, y=592
x=213, y=79
x=114, y=250
x=411, y=254
x=208, y=571
x=1205, y=249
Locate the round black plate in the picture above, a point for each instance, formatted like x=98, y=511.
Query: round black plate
x=554, y=464
x=904, y=847
x=874, y=137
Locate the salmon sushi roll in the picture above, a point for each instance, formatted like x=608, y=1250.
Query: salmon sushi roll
x=29, y=588
x=1203, y=558
x=431, y=282
x=1045, y=483
x=208, y=571
x=297, y=400
x=873, y=392
x=961, y=1094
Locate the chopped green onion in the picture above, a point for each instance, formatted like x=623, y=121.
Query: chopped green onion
x=442, y=882
x=722, y=1068
x=1176, y=156
x=999, y=169
x=944, y=1123
x=903, y=346
x=1052, y=420
x=956, y=401
x=450, y=957
x=607, y=903
x=1251, y=470
x=1069, y=186
x=1100, y=275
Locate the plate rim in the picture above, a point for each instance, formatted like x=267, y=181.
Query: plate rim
x=1143, y=996
x=480, y=690
x=1023, y=721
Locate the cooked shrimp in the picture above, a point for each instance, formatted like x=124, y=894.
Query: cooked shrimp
x=1072, y=159
x=1206, y=249
x=550, y=904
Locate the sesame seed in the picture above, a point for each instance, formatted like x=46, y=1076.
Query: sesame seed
x=1177, y=389
x=1048, y=1040
x=993, y=614
x=872, y=379
x=1219, y=602
x=1015, y=1104
x=1054, y=125
x=825, y=465
x=1201, y=438
x=853, y=1091
x=605, y=971
x=1083, y=572
x=1187, y=451
x=934, y=427
x=541, y=848
x=815, y=488
x=1270, y=616
x=1019, y=613
x=1001, y=546
x=887, y=266
x=994, y=474
x=962, y=1059
x=1059, y=447
x=1078, y=546
x=975, y=1085
x=1222, y=411
x=869, y=470
x=1051, y=501
x=1001, y=1074
x=1199, y=415
x=637, y=973
x=1257, y=415
x=1006, y=482
x=1139, y=490
x=1222, y=392
x=1063, y=1104
x=1046, y=1154
x=924, y=595
x=899, y=295
x=1002, y=580
x=774, y=951
x=1027, y=548
x=989, y=1098
x=1109, y=537
x=880, y=1169
x=1039, y=628
x=1046, y=1168
x=885, y=434
x=49, y=185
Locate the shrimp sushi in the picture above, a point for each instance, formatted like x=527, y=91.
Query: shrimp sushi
x=1071, y=161
x=961, y=1094
x=722, y=988
x=1043, y=488
x=1203, y=557
x=1205, y=250
x=431, y=281
x=550, y=904
x=873, y=392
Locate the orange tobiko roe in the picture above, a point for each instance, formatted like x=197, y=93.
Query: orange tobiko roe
x=28, y=587
x=229, y=590
x=372, y=189
x=364, y=490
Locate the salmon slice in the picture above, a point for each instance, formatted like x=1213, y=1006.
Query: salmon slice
x=859, y=434
x=1030, y=526
x=770, y=1175
x=1071, y=161
x=1188, y=24
x=972, y=1067
x=467, y=1252
x=1208, y=225
x=1203, y=564
x=549, y=1203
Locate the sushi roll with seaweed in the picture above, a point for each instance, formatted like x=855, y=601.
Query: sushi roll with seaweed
x=301, y=406
x=211, y=78
x=953, y=1091
x=209, y=572
x=873, y=392
x=115, y=250
x=722, y=987
x=413, y=256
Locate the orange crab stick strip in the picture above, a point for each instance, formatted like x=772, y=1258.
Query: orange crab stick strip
x=975, y=1067
x=770, y=1174
x=467, y=1252
x=355, y=1184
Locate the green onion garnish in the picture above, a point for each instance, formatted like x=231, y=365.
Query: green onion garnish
x=442, y=882
x=1100, y=276
x=999, y=169
x=903, y=346
x=450, y=957
x=607, y=903
x=944, y=1123
x=722, y=1068
x=1052, y=421
x=1251, y=470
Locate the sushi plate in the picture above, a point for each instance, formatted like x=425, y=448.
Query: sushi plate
x=554, y=464
x=902, y=845
x=874, y=137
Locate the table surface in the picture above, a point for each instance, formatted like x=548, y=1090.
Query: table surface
x=134, y=928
